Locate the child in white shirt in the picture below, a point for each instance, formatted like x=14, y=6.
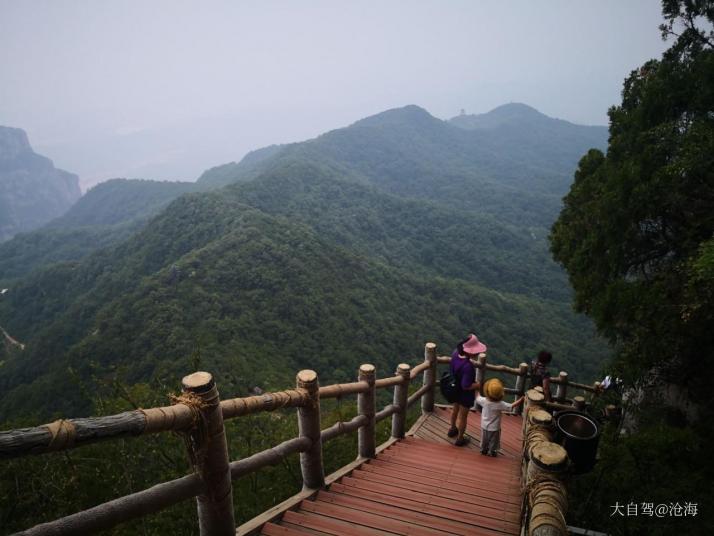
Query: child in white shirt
x=492, y=407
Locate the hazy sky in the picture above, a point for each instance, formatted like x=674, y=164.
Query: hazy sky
x=166, y=89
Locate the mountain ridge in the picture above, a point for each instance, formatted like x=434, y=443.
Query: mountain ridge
x=509, y=113
x=412, y=153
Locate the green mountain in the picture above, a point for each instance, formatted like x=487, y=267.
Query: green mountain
x=121, y=200
x=339, y=250
x=107, y=214
x=415, y=235
x=549, y=145
x=32, y=190
x=249, y=167
x=517, y=169
x=259, y=297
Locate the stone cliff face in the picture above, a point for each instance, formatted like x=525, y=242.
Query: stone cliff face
x=32, y=190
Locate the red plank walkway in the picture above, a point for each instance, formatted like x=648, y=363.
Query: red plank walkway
x=421, y=485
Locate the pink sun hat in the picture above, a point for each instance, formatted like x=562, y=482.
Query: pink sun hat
x=473, y=345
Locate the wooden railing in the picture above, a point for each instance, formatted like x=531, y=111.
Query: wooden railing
x=544, y=467
x=200, y=414
x=562, y=383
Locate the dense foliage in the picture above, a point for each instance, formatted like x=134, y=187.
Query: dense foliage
x=248, y=168
x=636, y=231
x=636, y=237
x=121, y=200
x=107, y=214
x=259, y=297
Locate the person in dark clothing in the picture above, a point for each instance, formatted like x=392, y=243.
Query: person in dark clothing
x=540, y=376
x=465, y=373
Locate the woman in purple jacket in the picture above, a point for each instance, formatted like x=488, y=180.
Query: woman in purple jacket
x=465, y=373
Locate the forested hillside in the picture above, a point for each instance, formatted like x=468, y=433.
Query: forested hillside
x=517, y=174
x=359, y=235
x=107, y=214
x=260, y=296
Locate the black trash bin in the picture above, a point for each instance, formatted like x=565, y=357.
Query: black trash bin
x=579, y=434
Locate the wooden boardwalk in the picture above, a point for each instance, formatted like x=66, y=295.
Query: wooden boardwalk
x=421, y=485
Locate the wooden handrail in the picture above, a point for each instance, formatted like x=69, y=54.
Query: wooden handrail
x=70, y=433
x=387, y=411
x=65, y=434
x=340, y=389
x=503, y=368
x=417, y=395
x=238, y=407
x=184, y=416
x=109, y=514
x=594, y=388
x=383, y=383
x=342, y=428
x=421, y=367
x=446, y=359
x=271, y=456
x=44, y=438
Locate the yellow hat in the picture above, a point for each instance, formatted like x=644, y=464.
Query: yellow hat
x=493, y=389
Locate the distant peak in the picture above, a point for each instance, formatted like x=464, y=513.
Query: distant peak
x=511, y=114
x=13, y=142
x=408, y=110
x=516, y=108
x=411, y=109
x=406, y=114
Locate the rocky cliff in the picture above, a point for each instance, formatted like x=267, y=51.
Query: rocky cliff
x=32, y=190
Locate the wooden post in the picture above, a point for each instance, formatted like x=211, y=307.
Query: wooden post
x=366, y=438
x=401, y=392
x=481, y=368
x=562, y=389
x=480, y=376
x=538, y=430
x=209, y=453
x=427, y=401
x=579, y=403
x=613, y=412
x=521, y=384
x=534, y=399
x=311, y=466
x=547, y=499
x=539, y=417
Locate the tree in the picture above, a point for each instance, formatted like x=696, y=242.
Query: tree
x=636, y=237
x=637, y=224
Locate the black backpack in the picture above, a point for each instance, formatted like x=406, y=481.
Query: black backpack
x=450, y=387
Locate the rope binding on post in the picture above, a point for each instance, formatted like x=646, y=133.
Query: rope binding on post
x=63, y=434
x=196, y=437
